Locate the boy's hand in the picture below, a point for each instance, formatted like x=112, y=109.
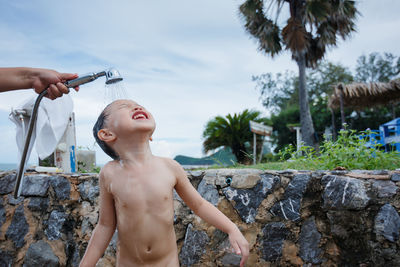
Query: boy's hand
x=240, y=245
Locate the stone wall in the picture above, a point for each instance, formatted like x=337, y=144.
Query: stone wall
x=290, y=218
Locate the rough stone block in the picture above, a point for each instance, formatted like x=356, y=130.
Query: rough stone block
x=247, y=201
x=40, y=254
x=6, y=258
x=61, y=186
x=395, y=177
x=18, y=227
x=89, y=190
x=387, y=223
x=309, y=242
x=55, y=224
x=194, y=246
x=38, y=204
x=384, y=188
x=344, y=193
x=289, y=207
x=35, y=185
x=7, y=184
x=272, y=241
x=2, y=213
x=208, y=192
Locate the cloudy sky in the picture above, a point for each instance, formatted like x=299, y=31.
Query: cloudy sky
x=186, y=61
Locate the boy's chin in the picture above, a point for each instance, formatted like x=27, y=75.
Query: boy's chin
x=145, y=128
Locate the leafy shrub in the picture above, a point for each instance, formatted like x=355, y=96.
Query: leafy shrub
x=350, y=151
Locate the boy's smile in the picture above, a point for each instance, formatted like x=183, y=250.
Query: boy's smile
x=140, y=115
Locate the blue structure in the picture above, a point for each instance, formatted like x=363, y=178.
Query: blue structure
x=390, y=134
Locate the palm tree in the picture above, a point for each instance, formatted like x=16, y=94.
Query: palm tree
x=312, y=26
x=231, y=131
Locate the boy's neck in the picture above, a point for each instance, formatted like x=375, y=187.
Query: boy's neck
x=134, y=152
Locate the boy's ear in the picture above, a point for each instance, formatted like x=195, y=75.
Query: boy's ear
x=106, y=135
x=151, y=138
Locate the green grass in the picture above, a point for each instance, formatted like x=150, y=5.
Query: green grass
x=349, y=151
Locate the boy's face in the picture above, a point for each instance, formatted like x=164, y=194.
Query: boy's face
x=127, y=116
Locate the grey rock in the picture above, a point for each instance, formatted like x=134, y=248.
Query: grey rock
x=61, y=186
x=272, y=242
x=7, y=184
x=195, y=173
x=208, y=192
x=230, y=259
x=344, y=193
x=72, y=254
x=18, y=227
x=2, y=212
x=89, y=190
x=339, y=172
x=384, y=188
x=289, y=207
x=395, y=177
x=379, y=172
x=14, y=201
x=195, y=177
x=6, y=258
x=38, y=204
x=387, y=223
x=287, y=172
x=194, y=246
x=40, y=254
x=55, y=224
x=247, y=201
x=35, y=185
x=309, y=242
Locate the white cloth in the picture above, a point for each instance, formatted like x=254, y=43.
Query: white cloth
x=52, y=120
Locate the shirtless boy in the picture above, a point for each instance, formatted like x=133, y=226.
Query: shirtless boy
x=136, y=194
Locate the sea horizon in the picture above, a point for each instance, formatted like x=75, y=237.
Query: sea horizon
x=8, y=166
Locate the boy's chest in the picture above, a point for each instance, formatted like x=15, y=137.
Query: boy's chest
x=145, y=189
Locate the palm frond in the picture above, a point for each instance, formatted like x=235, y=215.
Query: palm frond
x=295, y=36
x=262, y=28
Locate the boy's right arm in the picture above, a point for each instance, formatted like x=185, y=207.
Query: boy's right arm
x=105, y=228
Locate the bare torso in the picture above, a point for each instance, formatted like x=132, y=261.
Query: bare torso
x=143, y=200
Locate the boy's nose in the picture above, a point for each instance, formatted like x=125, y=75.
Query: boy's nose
x=138, y=108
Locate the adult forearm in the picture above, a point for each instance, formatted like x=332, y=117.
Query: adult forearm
x=215, y=217
x=98, y=243
x=16, y=78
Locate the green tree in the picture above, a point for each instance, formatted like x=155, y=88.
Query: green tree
x=231, y=131
x=312, y=26
x=377, y=68
x=279, y=94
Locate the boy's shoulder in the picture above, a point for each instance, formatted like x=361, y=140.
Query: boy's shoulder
x=171, y=163
x=108, y=168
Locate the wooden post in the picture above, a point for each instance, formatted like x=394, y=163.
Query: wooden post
x=333, y=125
x=262, y=149
x=341, y=104
x=254, y=149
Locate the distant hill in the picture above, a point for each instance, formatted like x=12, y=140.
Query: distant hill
x=221, y=157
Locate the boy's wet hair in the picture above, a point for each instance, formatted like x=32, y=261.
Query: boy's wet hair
x=96, y=128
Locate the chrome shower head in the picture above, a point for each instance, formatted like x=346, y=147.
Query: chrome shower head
x=113, y=76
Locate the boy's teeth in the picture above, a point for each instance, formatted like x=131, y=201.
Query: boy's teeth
x=139, y=116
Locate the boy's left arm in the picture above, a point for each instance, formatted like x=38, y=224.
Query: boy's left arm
x=209, y=213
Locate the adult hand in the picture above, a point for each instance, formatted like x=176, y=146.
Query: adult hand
x=53, y=81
